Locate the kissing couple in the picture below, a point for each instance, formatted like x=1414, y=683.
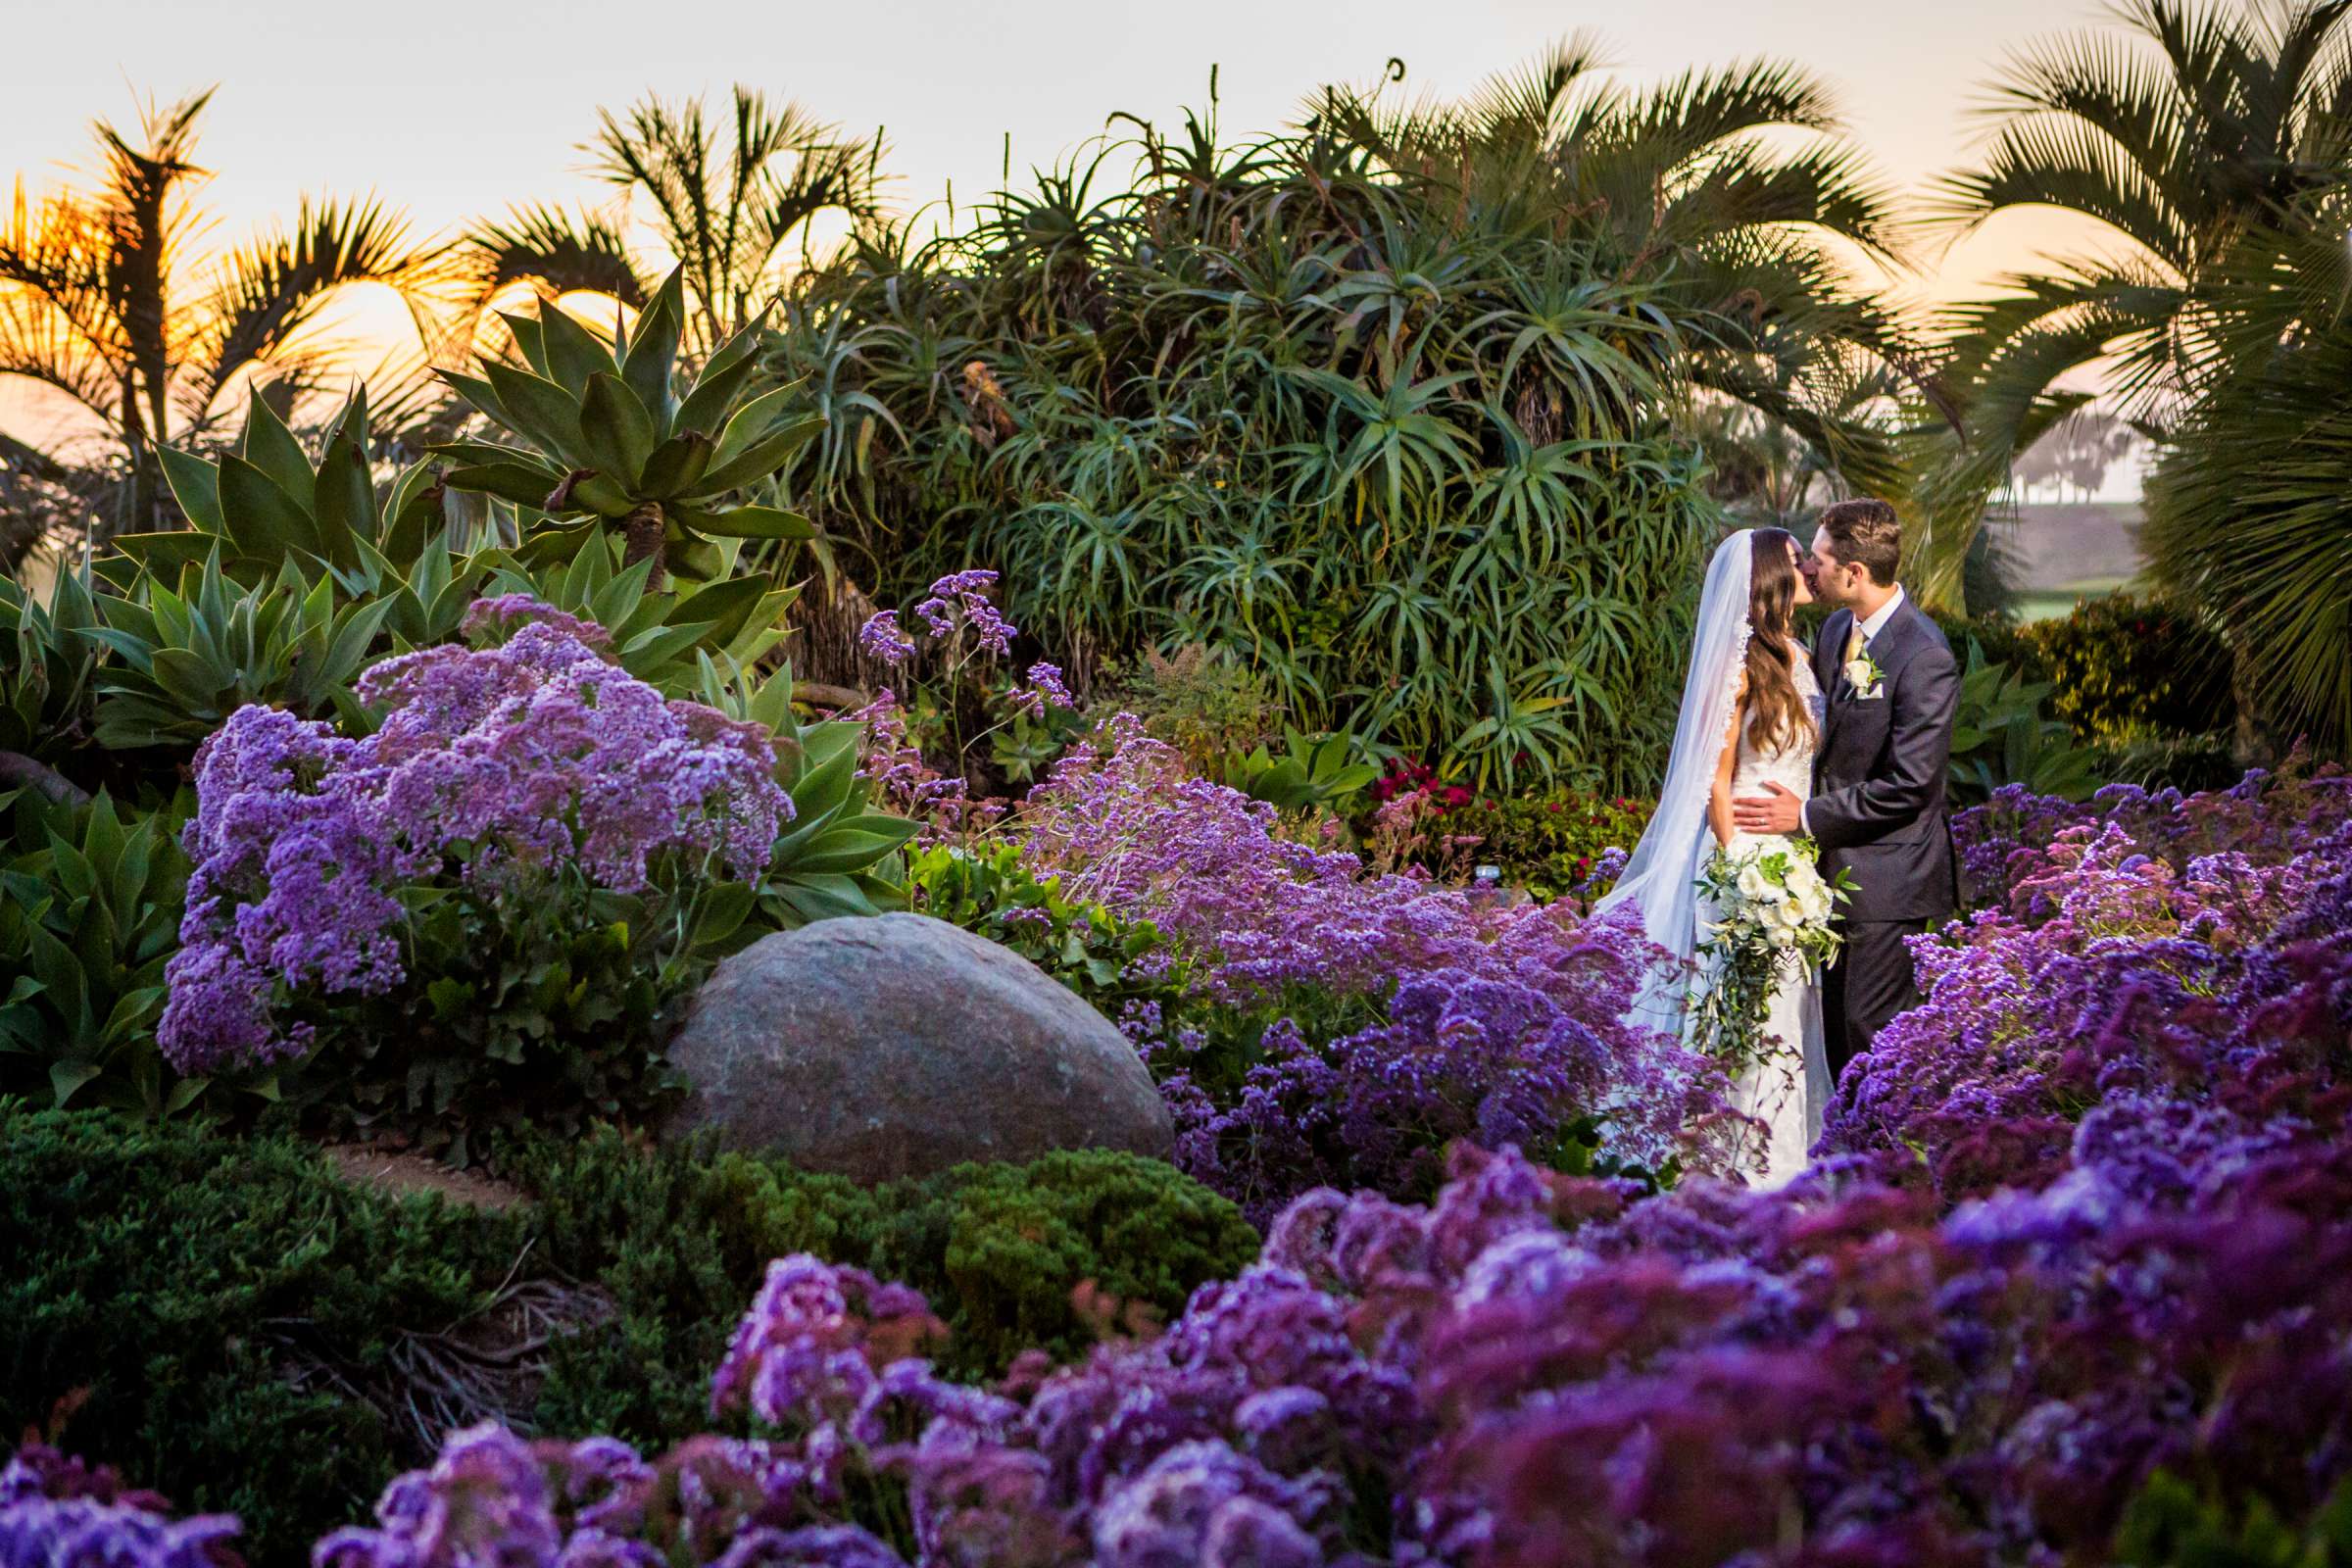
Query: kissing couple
x=1847, y=744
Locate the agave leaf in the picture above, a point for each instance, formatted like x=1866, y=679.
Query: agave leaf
x=195, y=484
x=618, y=427
x=574, y=353
x=749, y=522
x=270, y=447
x=653, y=348
x=760, y=458
x=266, y=521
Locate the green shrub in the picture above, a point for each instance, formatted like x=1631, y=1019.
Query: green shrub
x=1549, y=842
x=991, y=891
x=89, y=914
x=259, y=1335
x=681, y=1241
x=2123, y=669
x=229, y=1306
x=2185, y=763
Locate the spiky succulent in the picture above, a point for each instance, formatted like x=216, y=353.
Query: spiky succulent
x=611, y=442
x=263, y=504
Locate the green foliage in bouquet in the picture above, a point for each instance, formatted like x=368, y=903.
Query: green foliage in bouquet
x=1765, y=918
x=89, y=914
x=609, y=443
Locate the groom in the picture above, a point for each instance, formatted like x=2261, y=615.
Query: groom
x=1878, y=802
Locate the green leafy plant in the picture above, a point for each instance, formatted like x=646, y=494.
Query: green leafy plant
x=1313, y=773
x=185, y=661
x=1548, y=841
x=2171, y=1523
x=2001, y=736
x=2122, y=667
x=89, y=914
x=990, y=890
x=837, y=855
x=264, y=503
x=611, y=443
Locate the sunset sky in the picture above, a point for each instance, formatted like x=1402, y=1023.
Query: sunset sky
x=452, y=110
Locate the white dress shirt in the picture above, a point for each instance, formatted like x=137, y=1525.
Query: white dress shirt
x=1875, y=624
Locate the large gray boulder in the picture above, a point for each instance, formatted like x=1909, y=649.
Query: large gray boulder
x=900, y=1045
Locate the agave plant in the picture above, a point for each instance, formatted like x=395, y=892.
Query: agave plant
x=187, y=660
x=610, y=444
x=264, y=503
x=89, y=914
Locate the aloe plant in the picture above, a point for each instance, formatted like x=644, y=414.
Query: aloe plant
x=1312, y=771
x=611, y=443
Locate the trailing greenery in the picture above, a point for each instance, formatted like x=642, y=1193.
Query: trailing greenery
x=257, y=1335
x=991, y=891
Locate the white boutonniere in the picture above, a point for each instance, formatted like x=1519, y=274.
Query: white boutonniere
x=1863, y=674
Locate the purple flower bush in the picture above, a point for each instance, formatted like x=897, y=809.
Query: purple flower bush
x=1328, y=1025
x=498, y=776
x=1543, y=1369
x=57, y=1512
x=2138, y=949
x=2266, y=816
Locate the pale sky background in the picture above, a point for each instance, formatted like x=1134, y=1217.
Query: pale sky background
x=452, y=110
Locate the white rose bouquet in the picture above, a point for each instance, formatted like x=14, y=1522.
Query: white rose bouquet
x=1771, y=910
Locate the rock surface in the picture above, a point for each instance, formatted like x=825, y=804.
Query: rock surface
x=900, y=1045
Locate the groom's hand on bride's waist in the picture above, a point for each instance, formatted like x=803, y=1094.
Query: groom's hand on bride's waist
x=1782, y=811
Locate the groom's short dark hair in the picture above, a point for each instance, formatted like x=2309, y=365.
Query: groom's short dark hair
x=1865, y=533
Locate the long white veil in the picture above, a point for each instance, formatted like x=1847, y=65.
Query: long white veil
x=1659, y=878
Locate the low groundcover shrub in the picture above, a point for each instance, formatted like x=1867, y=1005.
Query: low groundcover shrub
x=232, y=1324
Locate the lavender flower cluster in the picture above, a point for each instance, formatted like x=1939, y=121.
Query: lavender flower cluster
x=57, y=1512
x=1545, y=1370
x=2266, y=816
x=1458, y=1017
x=493, y=766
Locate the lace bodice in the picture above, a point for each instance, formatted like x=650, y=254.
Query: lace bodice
x=1792, y=765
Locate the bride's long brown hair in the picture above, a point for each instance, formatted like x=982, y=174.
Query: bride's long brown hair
x=1774, y=713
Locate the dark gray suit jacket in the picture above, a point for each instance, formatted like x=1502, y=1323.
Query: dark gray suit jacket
x=1878, y=806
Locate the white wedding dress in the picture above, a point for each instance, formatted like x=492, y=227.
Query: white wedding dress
x=1789, y=1091
x=1786, y=1091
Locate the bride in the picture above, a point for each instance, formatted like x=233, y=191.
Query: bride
x=1751, y=716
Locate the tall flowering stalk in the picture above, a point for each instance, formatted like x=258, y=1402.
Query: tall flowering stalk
x=498, y=776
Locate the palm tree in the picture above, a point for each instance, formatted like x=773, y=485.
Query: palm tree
x=733, y=210
x=101, y=299
x=2250, y=507
x=2202, y=122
